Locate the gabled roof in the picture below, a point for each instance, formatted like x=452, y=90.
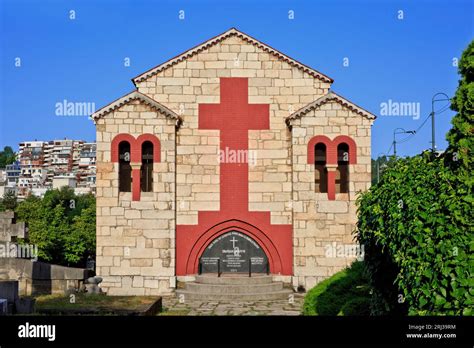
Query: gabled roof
x=215, y=40
x=331, y=96
x=135, y=95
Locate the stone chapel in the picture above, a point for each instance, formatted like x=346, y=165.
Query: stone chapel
x=227, y=158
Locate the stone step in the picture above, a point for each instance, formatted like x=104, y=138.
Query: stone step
x=193, y=296
x=233, y=279
x=233, y=289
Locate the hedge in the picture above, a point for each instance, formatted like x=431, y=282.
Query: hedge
x=344, y=293
x=416, y=227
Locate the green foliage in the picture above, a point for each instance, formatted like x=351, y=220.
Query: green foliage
x=62, y=225
x=417, y=224
x=81, y=240
x=9, y=201
x=7, y=156
x=417, y=230
x=345, y=293
x=378, y=165
x=460, y=137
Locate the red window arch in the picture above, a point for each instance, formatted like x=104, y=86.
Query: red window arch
x=350, y=143
x=340, y=153
x=135, y=149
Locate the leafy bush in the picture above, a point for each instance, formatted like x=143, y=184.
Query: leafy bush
x=417, y=224
x=62, y=225
x=345, y=293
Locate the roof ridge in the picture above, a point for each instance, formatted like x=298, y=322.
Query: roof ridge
x=324, y=99
x=134, y=95
x=216, y=39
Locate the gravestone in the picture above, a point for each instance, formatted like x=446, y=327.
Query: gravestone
x=9, y=228
x=9, y=290
x=233, y=250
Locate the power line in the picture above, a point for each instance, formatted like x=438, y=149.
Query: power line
x=416, y=131
x=388, y=151
x=444, y=109
x=408, y=138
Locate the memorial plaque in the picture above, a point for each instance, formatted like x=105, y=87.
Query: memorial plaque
x=234, y=250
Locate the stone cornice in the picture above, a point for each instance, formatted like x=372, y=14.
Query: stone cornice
x=135, y=95
x=230, y=33
x=331, y=96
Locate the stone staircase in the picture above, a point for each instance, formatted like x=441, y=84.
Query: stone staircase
x=233, y=287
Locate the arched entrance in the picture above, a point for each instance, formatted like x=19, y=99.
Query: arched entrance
x=233, y=252
x=191, y=245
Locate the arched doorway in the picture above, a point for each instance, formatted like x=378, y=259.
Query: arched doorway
x=233, y=252
x=191, y=242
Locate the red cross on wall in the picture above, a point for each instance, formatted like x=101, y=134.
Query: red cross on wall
x=234, y=117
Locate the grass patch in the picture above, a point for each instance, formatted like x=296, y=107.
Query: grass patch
x=345, y=293
x=93, y=304
x=174, y=312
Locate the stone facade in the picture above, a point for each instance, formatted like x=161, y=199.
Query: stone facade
x=318, y=222
x=135, y=239
x=137, y=231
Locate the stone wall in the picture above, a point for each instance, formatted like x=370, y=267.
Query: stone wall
x=41, y=278
x=187, y=84
x=135, y=239
x=318, y=221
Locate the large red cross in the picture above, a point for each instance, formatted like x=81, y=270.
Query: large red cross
x=234, y=117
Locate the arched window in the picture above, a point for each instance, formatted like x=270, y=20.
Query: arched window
x=146, y=174
x=320, y=171
x=342, y=171
x=125, y=170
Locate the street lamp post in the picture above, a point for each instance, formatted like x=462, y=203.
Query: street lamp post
x=433, y=100
x=399, y=131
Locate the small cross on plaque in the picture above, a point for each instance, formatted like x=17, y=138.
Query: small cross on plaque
x=233, y=240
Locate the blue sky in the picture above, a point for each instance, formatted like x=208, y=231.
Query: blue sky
x=82, y=60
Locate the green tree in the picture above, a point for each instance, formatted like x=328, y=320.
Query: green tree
x=47, y=233
x=62, y=225
x=417, y=224
x=7, y=156
x=9, y=201
x=460, y=136
x=29, y=209
x=80, y=242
